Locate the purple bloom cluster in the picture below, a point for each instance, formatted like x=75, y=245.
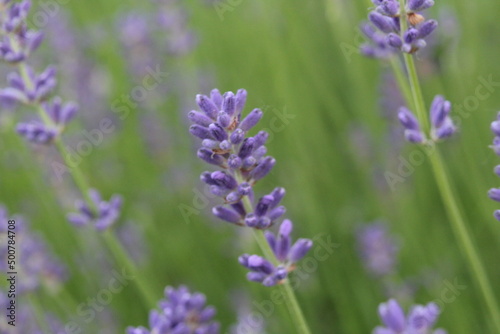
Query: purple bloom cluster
x=494, y=193
x=378, y=249
x=265, y=272
x=442, y=125
x=388, y=38
x=181, y=312
x=103, y=214
x=243, y=160
x=26, y=86
x=36, y=265
x=17, y=41
x=420, y=319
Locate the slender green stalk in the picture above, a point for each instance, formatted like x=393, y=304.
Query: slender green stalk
x=149, y=296
x=401, y=79
x=452, y=207
x=288, y=294
x=110, y=239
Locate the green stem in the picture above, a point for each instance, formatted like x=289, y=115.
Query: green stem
x=149, y=296
x=110, y=239
x=452, y=207
x=288, y=294
x=401, y=80
x=417, y=93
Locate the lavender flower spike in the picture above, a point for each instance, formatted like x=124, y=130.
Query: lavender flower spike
x=181, y=312
x=377, y=248
x=107, y=212
x=494, y=193
x=286, y=254
x=421, y=319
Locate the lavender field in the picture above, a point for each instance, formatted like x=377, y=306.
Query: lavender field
x=249, y=167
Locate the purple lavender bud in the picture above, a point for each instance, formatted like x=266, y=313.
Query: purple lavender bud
x=439, y=111
x=246, y=148
x=233, y=197
x=224, y=119
x=37, y=133
x=240, y=208
x=44, y=84
x=299, y=250
x=495, y=127
x=207, y=106
x=422, y=318
x=224, y=180
x=16, y=81
x=497, y=170
x=251, y=120
x=218, y=132
x=264, y=223
x=241, y=98
x=216, y=98
x=368, y=51
x=229, y=104
x=200, y=132
x=383, y=23
x=237, y=136
x=419, y=5
x=59, y=113
x=413, y=136
x=249, y=163
x=245, y=189
x=271, y=240
x=260, y=139
x=368, y=30
x=211, y=158
x=392, y=315
x=33, y=41
x=259, y=153
x=394, y=40
x=389, y=8
x=11, y=95
x=210, y=144
x=263, y=168
x=260, y=264
x=446, y=130
x=276, y=213
x=199, y=118
x=426, y=28
x=263, y=205
x=407, y=119
x=219, y=191
x=227, y=215
x=251, y=220
x=234, y=162
x=225, y=145
x=496, y=214
x=207, y=178
x=411, y=35
x=494, y=194
x=283, y=242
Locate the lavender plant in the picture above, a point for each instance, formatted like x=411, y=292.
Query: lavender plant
x=242, y=158
x=181, y=312
x=420, y=319
x=400, y=28
x=35, y=90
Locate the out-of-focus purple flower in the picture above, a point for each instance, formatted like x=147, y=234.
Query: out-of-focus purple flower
x=36, y=266
x=420, y=319
x=286, y=254
x=37, y=133
x=181, y=312
x=107, y=212
x=442, y=125
x=377, y=248
x=413, y=133
x=31, y=88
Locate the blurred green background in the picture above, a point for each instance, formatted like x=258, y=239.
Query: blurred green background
x=296, y=58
